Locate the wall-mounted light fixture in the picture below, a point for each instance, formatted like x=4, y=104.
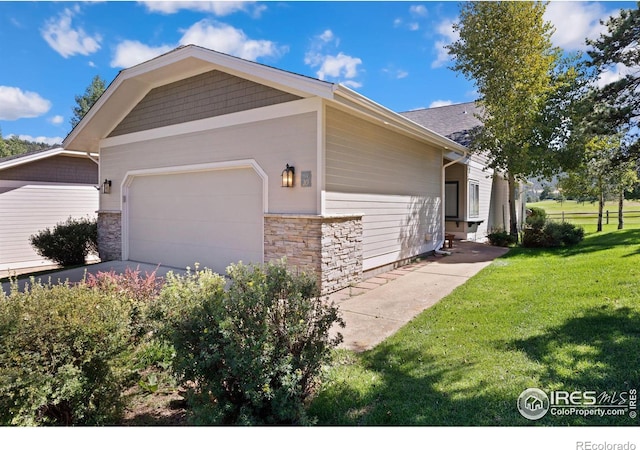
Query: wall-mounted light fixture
x=287, y=176
x=106, y=187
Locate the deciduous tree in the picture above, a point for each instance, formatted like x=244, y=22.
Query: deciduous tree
x=525, y=89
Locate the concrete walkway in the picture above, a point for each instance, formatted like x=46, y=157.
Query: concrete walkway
x=378, y=307
x=373, y=309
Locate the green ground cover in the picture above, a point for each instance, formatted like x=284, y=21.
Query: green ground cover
x=585, y=213
x=562, y=319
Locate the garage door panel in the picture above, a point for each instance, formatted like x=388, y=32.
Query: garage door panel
x=214, y=218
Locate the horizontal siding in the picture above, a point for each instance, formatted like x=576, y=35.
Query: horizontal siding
x=485, y=183
x=394, y=226
x=272, y=143
x=206, y=95
x=56, y=169
x=393, y=180
x=28, y=209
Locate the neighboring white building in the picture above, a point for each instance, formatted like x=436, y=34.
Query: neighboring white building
x=38, y=190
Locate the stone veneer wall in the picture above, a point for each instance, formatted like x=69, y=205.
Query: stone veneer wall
x=329, y=246
x=110, y=235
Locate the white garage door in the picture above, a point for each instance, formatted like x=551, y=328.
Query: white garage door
x=213, y=218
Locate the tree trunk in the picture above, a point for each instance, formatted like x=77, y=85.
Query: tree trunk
x=620, y=206
x=513, y=218
x=600, y=209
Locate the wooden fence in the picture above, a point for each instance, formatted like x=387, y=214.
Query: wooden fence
x=588, y=218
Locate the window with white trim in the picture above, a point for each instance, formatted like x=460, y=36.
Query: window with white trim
x=474, y=198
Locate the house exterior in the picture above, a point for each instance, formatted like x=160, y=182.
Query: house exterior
x=195, y=145
x=476, y=196
x=38, y=190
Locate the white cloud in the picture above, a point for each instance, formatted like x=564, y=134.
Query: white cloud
x=447, y=35
x=418, y=11
x=227, y=39
x=18, y=104
x=574, y=22
x=394, y=73
x=205, y=33
x=220, y=8
x=130, y=53
x=340, y=67
x=337, y=66
x=66, y=40
x=614, y=73
x=56, y=120
x=57, y=140
x=437, y=103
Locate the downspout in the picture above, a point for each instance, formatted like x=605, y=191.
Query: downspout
x=465, y=154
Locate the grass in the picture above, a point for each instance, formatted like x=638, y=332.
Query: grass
x=564, y=319
x=585, y=213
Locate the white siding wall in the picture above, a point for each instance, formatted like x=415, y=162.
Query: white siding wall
x=28, y=208
x=272, y=143
x=393, y=180
x=485, y=180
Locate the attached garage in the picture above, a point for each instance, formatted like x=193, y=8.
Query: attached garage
x=208, y=216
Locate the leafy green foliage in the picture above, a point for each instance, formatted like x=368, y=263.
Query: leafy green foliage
x=63, y=355
x=84, y=102
x=69, y=242
x=14, y=146
x=251, y=353
x=139, y=290
x=524, y=87
x=617, y=104
x=544, y=234
x=501, y=238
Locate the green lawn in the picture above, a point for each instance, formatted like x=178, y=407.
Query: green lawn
x=587, y=213
x=565, y=319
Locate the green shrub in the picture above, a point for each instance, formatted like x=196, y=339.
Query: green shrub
x=536, y=213
x=63, y=353
x=139, y=290
x=501, y=238
x=552, y=234
x=69, y=243
x=251, y=353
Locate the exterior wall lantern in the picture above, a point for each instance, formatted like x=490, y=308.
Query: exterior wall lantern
x=106, y=187
x=287, y=176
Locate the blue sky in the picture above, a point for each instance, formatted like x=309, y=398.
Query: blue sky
x=392, y=52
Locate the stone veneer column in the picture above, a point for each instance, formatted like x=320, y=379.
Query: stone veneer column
x=328, y=246
x=110, y=235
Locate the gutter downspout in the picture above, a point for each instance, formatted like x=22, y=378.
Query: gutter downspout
x=465, y=154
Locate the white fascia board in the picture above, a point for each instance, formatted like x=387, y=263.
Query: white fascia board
x=390, y=118
x=43, y=155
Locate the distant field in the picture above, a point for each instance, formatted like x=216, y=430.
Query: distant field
x=587, y=213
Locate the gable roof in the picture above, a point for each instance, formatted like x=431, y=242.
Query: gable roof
x=36, y=155
x=453, y=121
x=131, y=85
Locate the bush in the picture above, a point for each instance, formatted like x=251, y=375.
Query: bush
x=552, y=234
x=250, y=354
x=131, y=286
x=536, y=213
x=501, y=238
x=63, y=356
x=69, y=243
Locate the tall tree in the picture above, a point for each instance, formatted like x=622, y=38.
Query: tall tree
x=505, y=49
x=618, y=103
x=84, y=102
x=599, y=176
